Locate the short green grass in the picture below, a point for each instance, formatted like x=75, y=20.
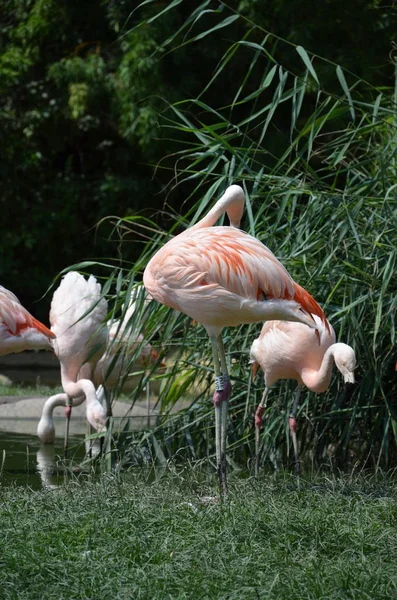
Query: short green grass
x=29, y=390
x=112, y=539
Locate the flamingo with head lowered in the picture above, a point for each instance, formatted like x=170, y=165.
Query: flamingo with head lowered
x=222, y=276
x=287, y=350
x=125, y=350
x=77, y=317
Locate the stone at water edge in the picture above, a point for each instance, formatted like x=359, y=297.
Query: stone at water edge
x=5, y=381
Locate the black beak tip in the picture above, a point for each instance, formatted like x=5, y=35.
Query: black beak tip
x=349, y=390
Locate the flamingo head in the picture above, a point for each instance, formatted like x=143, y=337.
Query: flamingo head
x=46, y=429
x=345, y=360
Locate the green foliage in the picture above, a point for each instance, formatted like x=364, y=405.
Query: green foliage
x=319, y=172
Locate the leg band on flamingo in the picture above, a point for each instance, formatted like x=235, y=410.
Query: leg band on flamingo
x=219, y=383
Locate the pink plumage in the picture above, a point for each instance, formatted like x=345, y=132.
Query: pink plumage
x=286, y=350
x=222, y=276
x=19, y=330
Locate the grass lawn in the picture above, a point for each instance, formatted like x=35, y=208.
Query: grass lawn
x=27, y=391
x=112, y=539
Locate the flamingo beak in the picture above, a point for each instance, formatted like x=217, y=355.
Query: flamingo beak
x=255, y=367
x=349, y=377
x=350, y=385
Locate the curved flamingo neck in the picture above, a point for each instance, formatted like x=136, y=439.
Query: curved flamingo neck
x=75, y=389
x=52, y=403
x=232, y=202
x=318, y=381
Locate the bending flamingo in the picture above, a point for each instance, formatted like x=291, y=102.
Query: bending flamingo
x=287, y=350
x=76, y=317
x=221, y=276
x=46, y=426
x=20, y=331
x=111, y=366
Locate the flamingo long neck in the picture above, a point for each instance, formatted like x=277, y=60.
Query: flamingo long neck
x=75, y=389
x=232, y=202
x=52, y=403
x=318, y=381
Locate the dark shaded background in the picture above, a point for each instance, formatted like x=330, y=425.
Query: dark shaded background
x=82, y=94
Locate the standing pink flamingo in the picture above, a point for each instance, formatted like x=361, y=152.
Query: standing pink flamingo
x=286, y=350
x=20, y=331
x=77, y=315
x=221, y=276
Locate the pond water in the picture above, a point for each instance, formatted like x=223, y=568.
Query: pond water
x=24, y=461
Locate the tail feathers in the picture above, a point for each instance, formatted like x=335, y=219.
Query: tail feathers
x=309, y=304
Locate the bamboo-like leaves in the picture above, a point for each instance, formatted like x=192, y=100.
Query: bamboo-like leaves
x=318, y=172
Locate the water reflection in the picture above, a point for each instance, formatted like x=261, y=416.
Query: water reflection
x=24, y=461
x=46, y=467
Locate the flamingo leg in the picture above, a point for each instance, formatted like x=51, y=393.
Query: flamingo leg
x=148, y=402
x=108, y=402
x=227, y=388
x=68, y=412
x=258, y=426
x=292, y=427
x=217, y=399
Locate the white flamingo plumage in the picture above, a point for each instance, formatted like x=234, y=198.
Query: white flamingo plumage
x=222, y=276
x=77, y=315
x=123, y=344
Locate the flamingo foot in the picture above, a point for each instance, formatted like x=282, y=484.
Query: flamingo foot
x=217, y=398
x=259, y=416
x=227, y=389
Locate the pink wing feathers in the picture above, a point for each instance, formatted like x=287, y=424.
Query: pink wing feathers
x=16, y=318
x=233, y=259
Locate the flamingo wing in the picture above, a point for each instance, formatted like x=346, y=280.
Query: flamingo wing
x=232, y=259
x=16, y=318
x=227, y=257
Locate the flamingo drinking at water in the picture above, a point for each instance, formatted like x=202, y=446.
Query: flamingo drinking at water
x=77, y=315
x=221, y=276
x=46, y=426
x=287, y=350
x=20, y=331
